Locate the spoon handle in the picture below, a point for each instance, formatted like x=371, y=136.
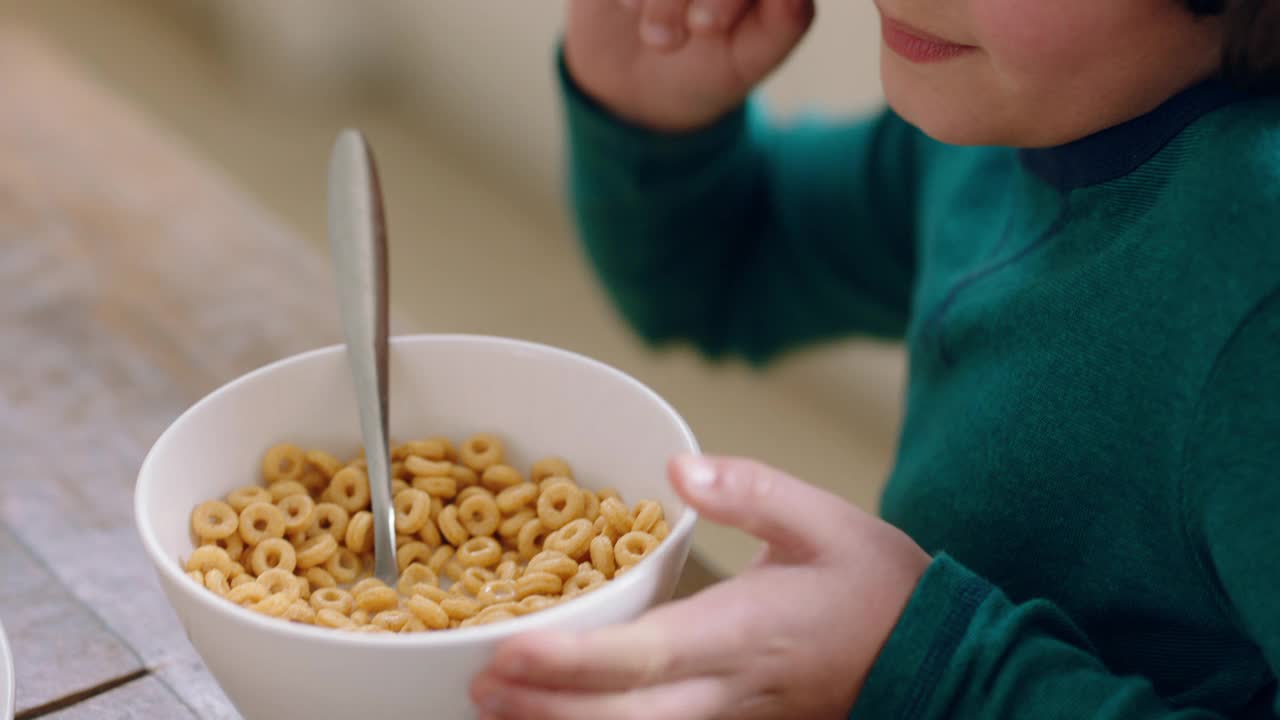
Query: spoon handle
x=357, y=234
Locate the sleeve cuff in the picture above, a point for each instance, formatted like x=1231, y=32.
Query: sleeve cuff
x=920, y=649
x=592, y=125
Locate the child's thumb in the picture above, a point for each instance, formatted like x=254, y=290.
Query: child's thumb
x=768, y=33
x=795, y=518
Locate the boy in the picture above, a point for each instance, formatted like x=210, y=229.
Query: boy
x=1071, y=214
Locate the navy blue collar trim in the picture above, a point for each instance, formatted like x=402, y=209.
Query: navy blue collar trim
x=1118, y=151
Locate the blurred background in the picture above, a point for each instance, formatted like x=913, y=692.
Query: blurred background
x=459, y=100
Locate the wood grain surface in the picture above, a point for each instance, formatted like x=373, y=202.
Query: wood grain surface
x=134, y=279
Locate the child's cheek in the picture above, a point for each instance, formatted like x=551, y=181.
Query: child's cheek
x=1030, y=39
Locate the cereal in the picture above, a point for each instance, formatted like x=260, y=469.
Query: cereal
x=422, y=466
x=282, y=462
x=479, y=515
x=474, y=579
x=591, y=505
x=437, y=486
x=616, y=513
x=574, y=539
x=274, y=605
x=334, y=599
x=602, y=555
x=329, y=518
x=481, y=551
x=413, y=510
x=297, y=510
x=316, y=551
x=375, y=600
x=560, y=504
x=497, y=478
x=332, y=619
x=516, y=497
x=480, y=452
x=284, y=488
x=359, y=535
x=509, y=529
x=451, y=527
x=460, y=608
x=216, y=581
x=260, y=521
x=583, y=582
x=344, y=565
x=273, y=554
x=429, y=612
x=395, y=620
x=548, y=467
x=327, y=464
x=530, y=539
x=497, y=591
x=318, y=577
x=207, y=557
x=430, y=534
x=439, y=557
x=554, y=562
x=278, y=581
x=300, y=612
x=464, y=476
x=214, y=520
x=412, y=575
x=538, y=583
x=648, y=513
x=477, y=541
x=632, y=547
x=349, y=489
x=412, y=552
x=233, y=544
x=247, y=593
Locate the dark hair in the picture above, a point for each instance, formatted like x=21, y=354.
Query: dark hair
x=1251, y=42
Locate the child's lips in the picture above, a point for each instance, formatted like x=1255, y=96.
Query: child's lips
x=917, y=45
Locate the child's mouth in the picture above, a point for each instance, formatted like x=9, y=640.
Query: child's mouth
x=917, y=45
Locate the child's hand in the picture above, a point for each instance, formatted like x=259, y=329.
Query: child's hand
x=679, y=64
x=791, y=637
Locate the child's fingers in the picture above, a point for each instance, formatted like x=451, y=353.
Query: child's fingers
x=686, y=700
x=772, y=28
x=716, y=15
x=663, y=24
x=798, y=520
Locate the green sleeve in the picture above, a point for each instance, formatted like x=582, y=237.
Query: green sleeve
x=963, y=650
x=745, y=239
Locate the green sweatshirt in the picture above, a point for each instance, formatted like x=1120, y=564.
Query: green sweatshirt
x=1091, y=447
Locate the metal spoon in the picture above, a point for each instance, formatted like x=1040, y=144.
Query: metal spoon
x=357, y=235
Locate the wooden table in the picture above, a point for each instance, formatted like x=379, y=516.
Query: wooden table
x=133, y=280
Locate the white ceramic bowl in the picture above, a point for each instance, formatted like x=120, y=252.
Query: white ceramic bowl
x=8, y=688
x=540, y=400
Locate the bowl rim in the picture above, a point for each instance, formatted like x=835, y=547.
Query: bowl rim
x=8, y=685
x=457, y=636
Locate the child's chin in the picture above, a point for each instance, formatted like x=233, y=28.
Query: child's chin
x=946, y=110
x=951, y=123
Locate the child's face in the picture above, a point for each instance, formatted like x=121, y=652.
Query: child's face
x=1034, y=73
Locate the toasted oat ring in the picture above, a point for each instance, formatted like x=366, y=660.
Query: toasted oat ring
x=633, y=547
x=283, y=462
x=316, y=551
x=559, y=505
x=260, y=521
x=214, y=520
x=273, y=554
x=574, y=539
x=481, y=551
x=479, y=514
